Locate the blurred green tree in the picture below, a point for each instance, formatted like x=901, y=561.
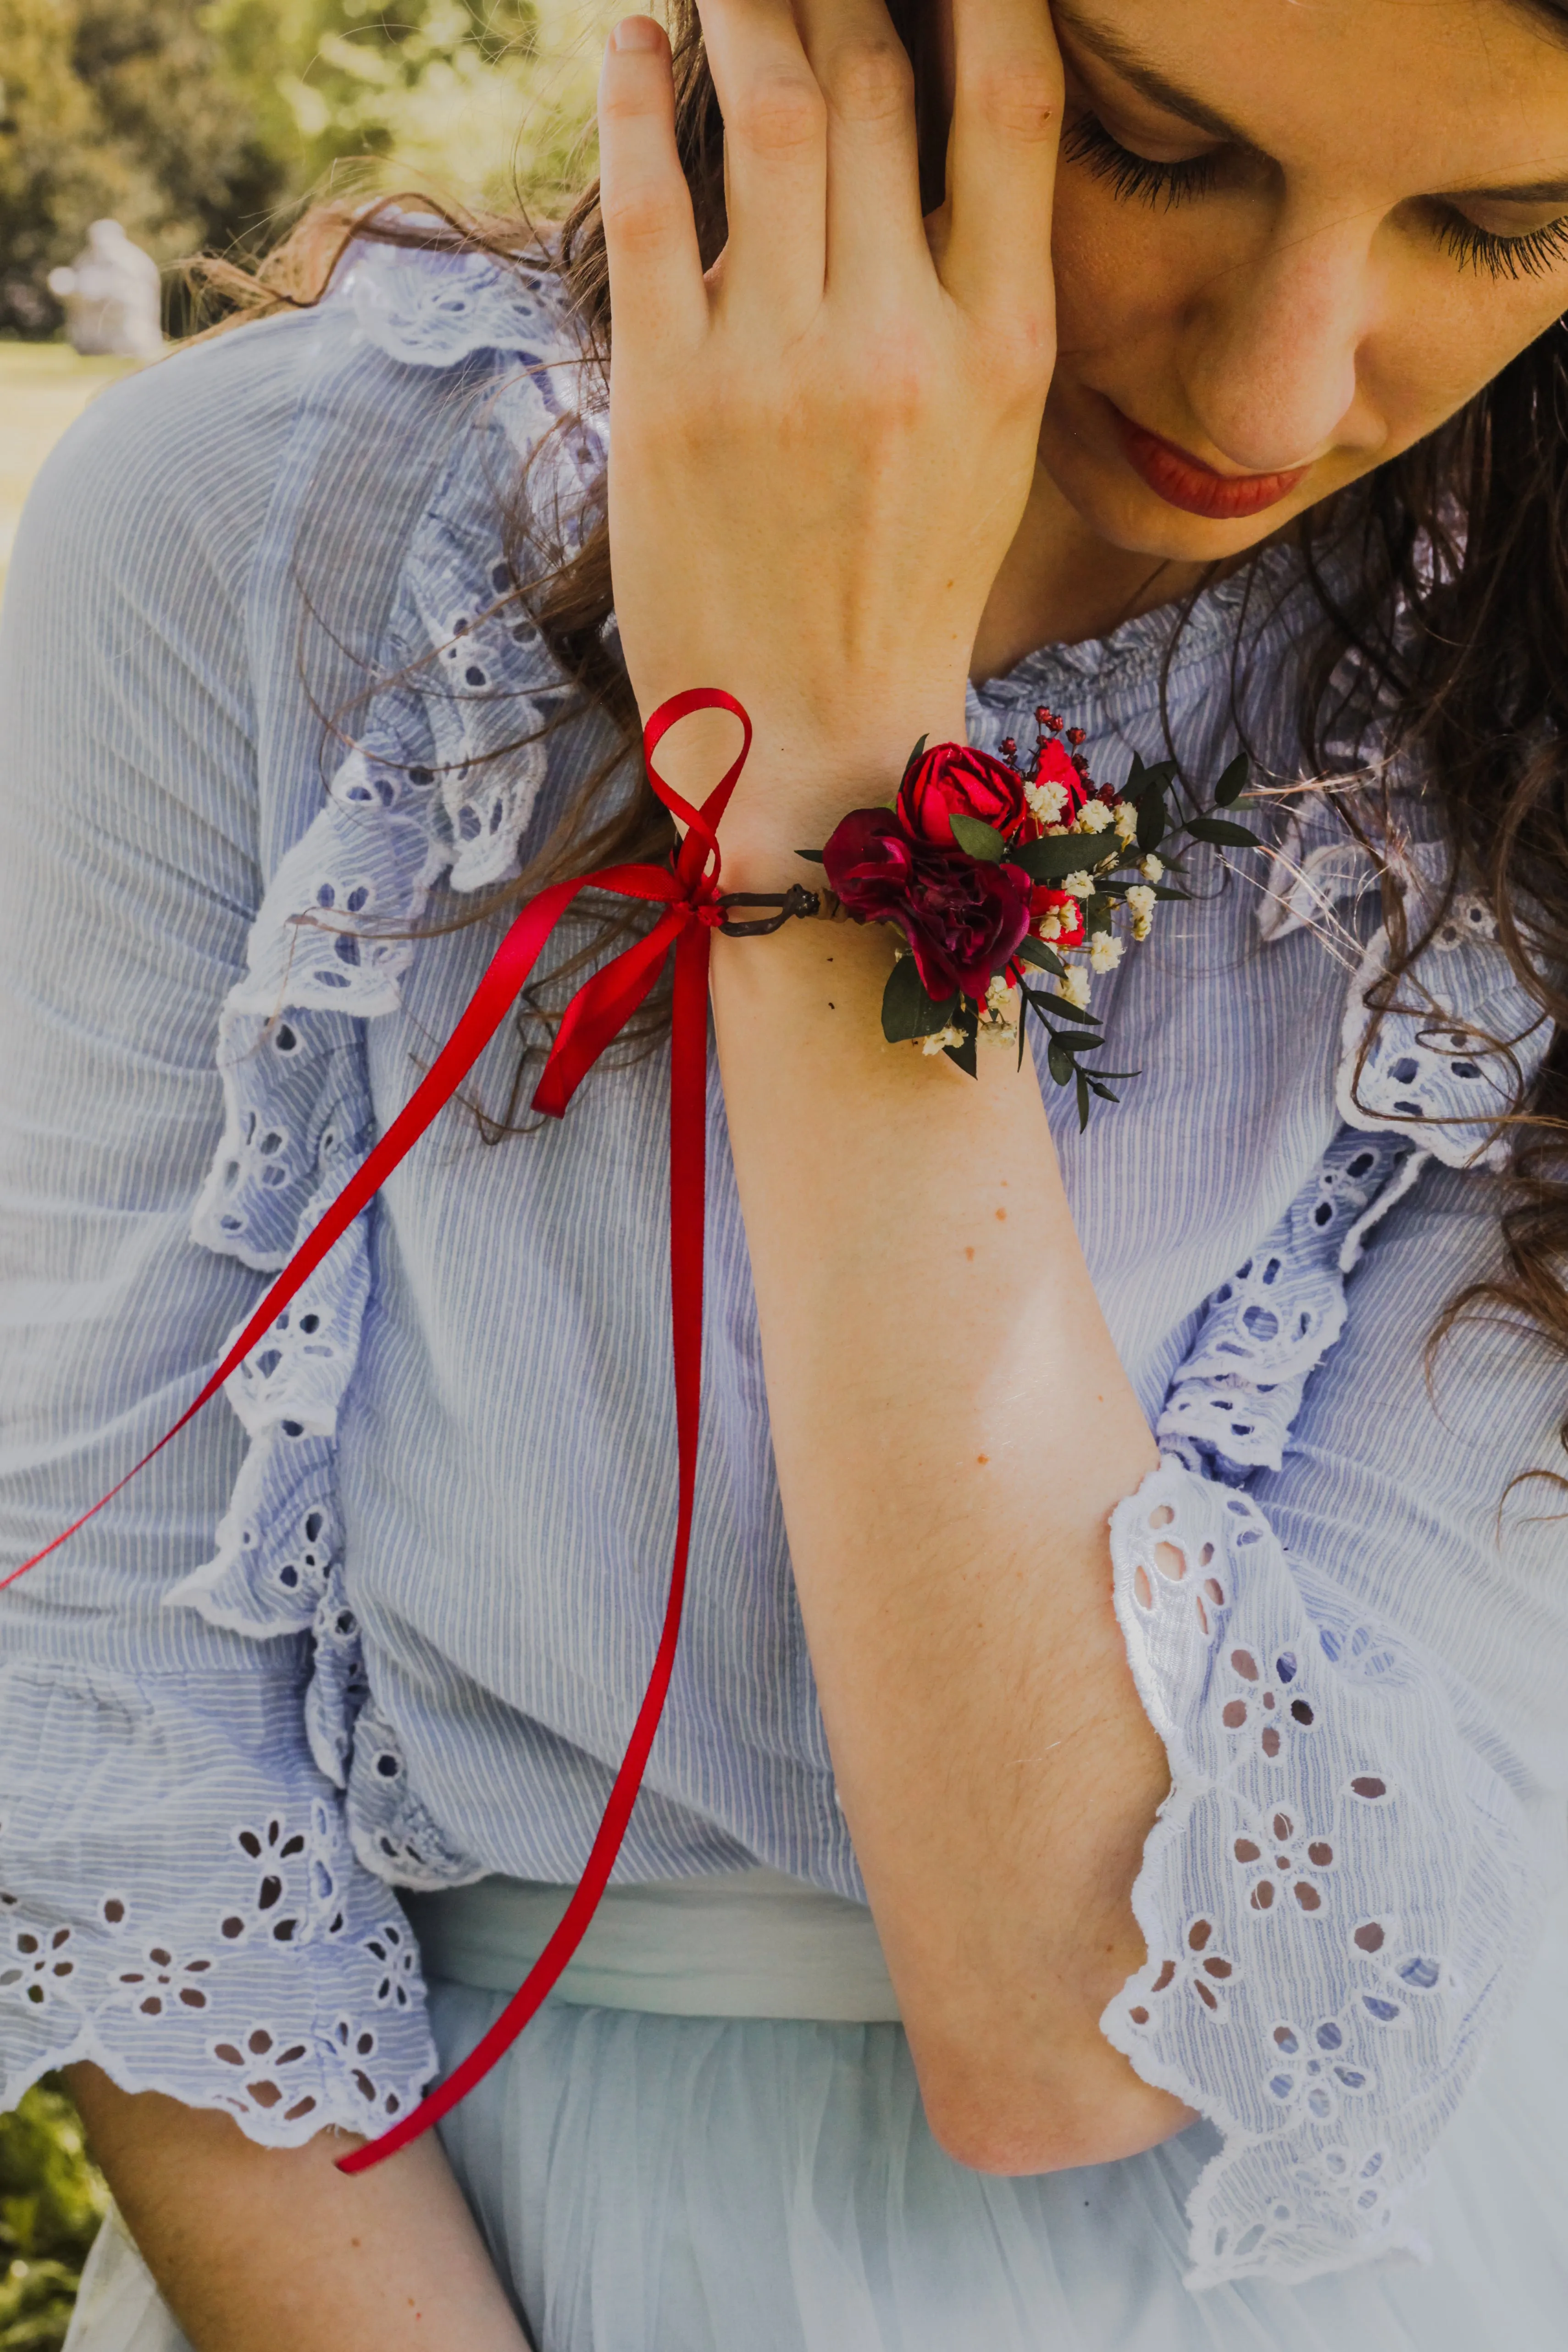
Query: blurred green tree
x=196, y=125
x=51, y=2203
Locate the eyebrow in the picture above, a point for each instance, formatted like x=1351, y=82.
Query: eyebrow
x=1105, y=43
x=1108, y=45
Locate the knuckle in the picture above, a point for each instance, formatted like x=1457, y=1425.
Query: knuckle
x=642, y=215
x=1021, y=97
x=869, y=78
x=780, y=115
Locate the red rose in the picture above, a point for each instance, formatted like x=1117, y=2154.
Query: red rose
x=962, y=916
x=1067, y=910
x=951, y=778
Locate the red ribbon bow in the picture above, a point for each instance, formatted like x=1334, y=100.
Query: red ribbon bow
x=688, y=892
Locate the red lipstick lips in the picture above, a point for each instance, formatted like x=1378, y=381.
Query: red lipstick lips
x=1183, y=480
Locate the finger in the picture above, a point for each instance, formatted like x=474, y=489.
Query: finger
x=776, y=157
x=657, y=293
x=875, y=238
x=1001, y=157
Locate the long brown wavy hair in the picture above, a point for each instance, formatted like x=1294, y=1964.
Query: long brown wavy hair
x=1457, y=620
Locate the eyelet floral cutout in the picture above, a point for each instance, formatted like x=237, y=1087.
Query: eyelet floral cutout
x=1317, y=2068
x=160, y=1981
x=41, y=1968
x=1171, y=1560
x=272, y=1848
x=393, y=1949
x=262, y=2060
x=1283, y=1865
x=1267, y=1708
x=1203, y=1969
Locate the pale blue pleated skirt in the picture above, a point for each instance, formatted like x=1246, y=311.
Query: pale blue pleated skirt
x=650, y=2180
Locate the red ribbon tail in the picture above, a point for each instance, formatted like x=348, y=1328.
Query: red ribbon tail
x=688, y=1190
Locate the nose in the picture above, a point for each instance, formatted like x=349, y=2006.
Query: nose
x=1273, y=345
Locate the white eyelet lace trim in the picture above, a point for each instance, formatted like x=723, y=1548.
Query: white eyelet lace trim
x=1327, y=2031
x=1230, y=1409
x=433, y=789
x=204, y=1997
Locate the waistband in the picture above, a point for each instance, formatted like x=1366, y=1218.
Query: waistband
x=750, y=1944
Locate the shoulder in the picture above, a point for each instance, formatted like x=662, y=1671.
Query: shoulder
x=167, y=484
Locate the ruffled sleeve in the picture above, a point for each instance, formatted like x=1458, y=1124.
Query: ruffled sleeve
x=1333, y=1639
x=180, y=1896
x=441, y=787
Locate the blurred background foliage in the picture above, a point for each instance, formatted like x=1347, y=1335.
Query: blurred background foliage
x=204, y=127
x=51, y=2201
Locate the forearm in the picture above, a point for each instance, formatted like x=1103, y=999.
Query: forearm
x=253, y=2247
x=952, y=1428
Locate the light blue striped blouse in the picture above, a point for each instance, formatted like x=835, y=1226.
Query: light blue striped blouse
x=386, y=1623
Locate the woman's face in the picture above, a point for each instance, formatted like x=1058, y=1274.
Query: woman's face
x=1292, y=236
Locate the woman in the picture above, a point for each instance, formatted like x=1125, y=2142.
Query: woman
x=1207, y=1855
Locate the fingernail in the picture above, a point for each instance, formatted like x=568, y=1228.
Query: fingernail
x=635, y=33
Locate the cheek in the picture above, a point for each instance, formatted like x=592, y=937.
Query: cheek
x=1120, y=268
x=1446, y=336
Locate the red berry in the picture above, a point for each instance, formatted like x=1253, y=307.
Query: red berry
x=1077, y=734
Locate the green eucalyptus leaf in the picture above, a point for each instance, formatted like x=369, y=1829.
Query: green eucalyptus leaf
x=812, y=856
x=1152, y=822
x=1220, y=831
x=979, y=839
x=1058, y=854
x=907, y=1011
x=1097, y=913
x=1082, y=1102
x=915, y=758
x=1233, y=783
x=964, y=1056
x=1059, y=1063
x=1044, y=959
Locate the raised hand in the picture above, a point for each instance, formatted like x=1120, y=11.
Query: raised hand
x=821, y=451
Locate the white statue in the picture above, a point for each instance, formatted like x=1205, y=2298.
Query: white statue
x=111, y=296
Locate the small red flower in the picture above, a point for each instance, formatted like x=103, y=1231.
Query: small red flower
x=951, y=779
x=1067, y=910
x=1054, y=766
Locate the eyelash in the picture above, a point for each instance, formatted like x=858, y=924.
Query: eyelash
x=1136, y=178
x=1139, y=179
x=1534, y=255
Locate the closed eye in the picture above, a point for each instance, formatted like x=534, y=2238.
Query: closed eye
x=1534, y=255
x=1132, y=178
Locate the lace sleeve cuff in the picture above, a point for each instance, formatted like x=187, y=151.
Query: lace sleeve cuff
x=179, y=1905
x=1335, y=1897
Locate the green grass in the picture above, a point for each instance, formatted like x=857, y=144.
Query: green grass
x=44, y=387
x=51, y=2201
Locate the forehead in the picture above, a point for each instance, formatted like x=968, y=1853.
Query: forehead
x=1430, y=94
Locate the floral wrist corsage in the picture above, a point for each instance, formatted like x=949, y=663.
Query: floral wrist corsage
x=996, y=875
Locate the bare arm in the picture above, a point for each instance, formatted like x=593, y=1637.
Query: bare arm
x=821, y=453
x=254, y=2248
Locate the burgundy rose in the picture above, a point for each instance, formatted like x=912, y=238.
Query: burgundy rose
x=951, y=778
x=962, y=916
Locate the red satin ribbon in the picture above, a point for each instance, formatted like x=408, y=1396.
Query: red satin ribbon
x=598, y=1012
